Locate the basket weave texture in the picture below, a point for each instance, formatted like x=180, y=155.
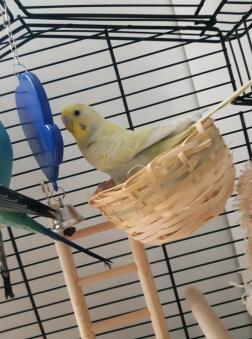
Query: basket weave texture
x=177, y=192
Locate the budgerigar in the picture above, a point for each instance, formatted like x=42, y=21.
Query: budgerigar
x=115, y=150
x=5, y=177
x=14, y=206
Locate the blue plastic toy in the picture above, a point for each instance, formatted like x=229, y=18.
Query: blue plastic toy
x=43, y=135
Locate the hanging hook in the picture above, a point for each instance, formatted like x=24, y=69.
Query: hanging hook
x=15, y=66
x=46, y=190
x=49, y=193
x=60, y=197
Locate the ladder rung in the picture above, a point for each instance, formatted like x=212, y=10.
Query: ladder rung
x=115, y=322
x=101, y=276
x=105, y=226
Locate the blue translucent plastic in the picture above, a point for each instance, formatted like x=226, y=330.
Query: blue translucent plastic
x=43, y=135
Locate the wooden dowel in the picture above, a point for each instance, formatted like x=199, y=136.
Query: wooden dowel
x=208, y=321
x=105, y=226
x=149, y=289
x=115, y=322
x=228, y=100
x=75, y=292
x=110, y=274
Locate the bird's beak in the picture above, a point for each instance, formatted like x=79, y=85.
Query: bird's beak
x=68, y=123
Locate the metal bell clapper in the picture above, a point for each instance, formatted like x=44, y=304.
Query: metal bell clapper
x=69, y=218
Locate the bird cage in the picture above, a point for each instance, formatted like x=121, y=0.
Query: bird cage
x=137, y=64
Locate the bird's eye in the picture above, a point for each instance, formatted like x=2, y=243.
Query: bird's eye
x=77, y=112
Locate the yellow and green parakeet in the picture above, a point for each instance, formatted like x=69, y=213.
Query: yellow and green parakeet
x=115, y=150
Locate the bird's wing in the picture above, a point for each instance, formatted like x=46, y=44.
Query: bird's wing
x=13, y=201
x=163, y=131
x=111, y=151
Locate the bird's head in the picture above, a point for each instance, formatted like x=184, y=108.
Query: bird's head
x=81, y=120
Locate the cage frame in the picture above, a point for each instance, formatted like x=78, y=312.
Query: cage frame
x=102, y=33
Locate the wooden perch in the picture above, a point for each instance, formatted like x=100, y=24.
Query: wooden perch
x=208, y=321
x=140, y=265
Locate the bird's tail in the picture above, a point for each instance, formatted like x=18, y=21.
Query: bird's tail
x=22, y=221
x=4, y=270
x=7, y=284
x=58, y=237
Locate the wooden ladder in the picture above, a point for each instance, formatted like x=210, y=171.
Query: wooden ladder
x=75, y=283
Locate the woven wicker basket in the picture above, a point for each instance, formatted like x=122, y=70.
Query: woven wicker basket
x=180, y=190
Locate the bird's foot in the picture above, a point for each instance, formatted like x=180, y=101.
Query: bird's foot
x=105, y=186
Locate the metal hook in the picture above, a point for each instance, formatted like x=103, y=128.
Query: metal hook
x=15, y=67
x=60, y=197
x=46, y=190
x=49, y=193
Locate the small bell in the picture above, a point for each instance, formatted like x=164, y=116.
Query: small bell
x=68, y=218
x=68, y=214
